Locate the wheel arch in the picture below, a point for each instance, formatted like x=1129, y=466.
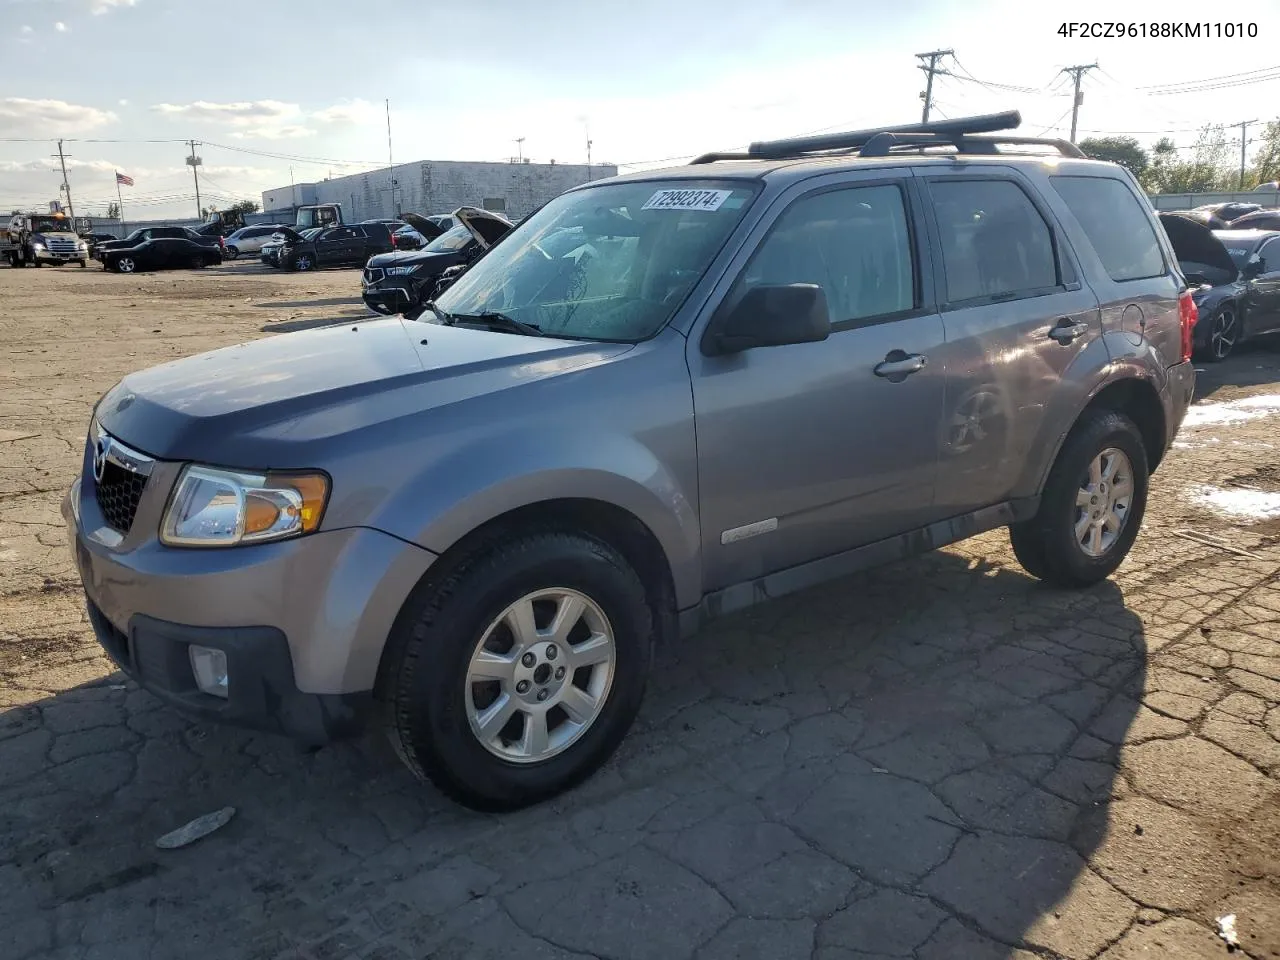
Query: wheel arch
x=614, y=525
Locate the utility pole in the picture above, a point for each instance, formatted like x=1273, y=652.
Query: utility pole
x=390, y=162
x=1243, y=125
x=588, y=130
x=66, y=184
x=194, y=162
x=1077, y=97
x=520, y=149
x=933, y=57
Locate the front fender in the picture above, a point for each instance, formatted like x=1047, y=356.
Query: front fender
x=481, y=481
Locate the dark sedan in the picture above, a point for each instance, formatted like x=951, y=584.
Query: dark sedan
x=160, y=253
x=399, y=282
x=1235, y=280
x=1259, y=220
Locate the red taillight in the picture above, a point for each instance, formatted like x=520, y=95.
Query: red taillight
x=1189, y=313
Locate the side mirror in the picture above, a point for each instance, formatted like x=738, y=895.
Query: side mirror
x=770, y=316
x=1254, y=268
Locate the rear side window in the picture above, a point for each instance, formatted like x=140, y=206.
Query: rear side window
x=995, y=243
x=1116, y=224
x=853, y=243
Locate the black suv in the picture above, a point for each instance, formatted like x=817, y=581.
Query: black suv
x=342, y=245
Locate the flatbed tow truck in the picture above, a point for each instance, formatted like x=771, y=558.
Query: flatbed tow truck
x=35, y=239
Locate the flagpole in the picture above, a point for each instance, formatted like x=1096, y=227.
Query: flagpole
x=120, y=201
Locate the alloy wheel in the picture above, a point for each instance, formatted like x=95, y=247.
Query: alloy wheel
x=126, y=265
x=1223, y=335
x=540, y=675
x=1103, y=502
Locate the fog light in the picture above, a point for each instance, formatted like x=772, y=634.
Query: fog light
x=210, y=669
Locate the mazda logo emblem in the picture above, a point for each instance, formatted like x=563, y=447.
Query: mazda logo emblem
x=101, y=450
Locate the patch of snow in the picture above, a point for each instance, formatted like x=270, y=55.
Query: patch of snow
x=1235, y=502
x=1206, y=414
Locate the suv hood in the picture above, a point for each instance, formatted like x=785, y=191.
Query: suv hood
x=1193, y=240
x=485, y=225
x=428, y=228
x=280, y=401
x=409, y=258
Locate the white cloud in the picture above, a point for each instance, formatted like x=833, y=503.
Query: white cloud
x=60, y=27
x=21, y=117
x=26, y=30
x=99, y=7
x=122, y=102
x=261, y=119
x=349, y=112
x=264, y=132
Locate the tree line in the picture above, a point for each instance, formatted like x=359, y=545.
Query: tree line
x=1211, y=164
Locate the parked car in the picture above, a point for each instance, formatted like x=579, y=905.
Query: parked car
x=144, y=234
x=270, y=252
x=96, y=239
x=161, y=253
x=779, y=367
x=1259, y=220
x=342, y=245
x=249, y=240
x=1225, y=213
x=1236, y=279
x=419, y=231
x=400, y=282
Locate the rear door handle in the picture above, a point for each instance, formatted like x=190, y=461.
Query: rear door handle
x=897, y=365
x=1068, y=330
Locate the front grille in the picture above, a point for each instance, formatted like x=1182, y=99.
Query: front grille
x=119, y=492
x=62, y=246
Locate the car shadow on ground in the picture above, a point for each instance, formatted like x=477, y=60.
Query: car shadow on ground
x=323, y=302
x=916, y=760
x=1253, y=364
x=312, y=323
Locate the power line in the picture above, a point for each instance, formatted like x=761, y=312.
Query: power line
x=933, y=56
x=1188, y=83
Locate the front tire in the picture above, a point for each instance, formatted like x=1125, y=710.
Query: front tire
x=517, y=675
x=1092, y=505
x=125, y=265
x=304, y=261
x=232, y=253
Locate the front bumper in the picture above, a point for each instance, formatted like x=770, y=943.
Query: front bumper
x=48, y=256
x=303, y=622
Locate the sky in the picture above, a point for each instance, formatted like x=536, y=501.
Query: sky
x=271, y=92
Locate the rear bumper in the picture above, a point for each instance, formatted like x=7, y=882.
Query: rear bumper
x=1179, y=391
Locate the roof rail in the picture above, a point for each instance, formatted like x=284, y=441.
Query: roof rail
x=962, y=133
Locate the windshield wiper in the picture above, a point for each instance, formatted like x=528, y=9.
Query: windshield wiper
x=500, y=321
x=445, y=318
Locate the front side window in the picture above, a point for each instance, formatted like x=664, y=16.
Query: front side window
x=853, y=243
x=643, y=246
x=1116, y=224
x=995, y=243
x=1269, y=255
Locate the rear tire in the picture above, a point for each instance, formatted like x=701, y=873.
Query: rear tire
x=434, y=706
x=1224, y=334
x=1073, y=540
x=232, y=253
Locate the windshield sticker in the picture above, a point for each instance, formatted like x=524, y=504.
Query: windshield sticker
x=706, y=200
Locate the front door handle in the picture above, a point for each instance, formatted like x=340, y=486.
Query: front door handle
x=897, y=365
x=1068, y=330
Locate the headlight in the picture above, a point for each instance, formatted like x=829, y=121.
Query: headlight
x=401, y=271
x=83, y=246
x=37, y=245
x=222, y=508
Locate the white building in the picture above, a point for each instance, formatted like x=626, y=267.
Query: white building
x=438, y=186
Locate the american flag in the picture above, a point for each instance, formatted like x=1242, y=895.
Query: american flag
x=121, y=178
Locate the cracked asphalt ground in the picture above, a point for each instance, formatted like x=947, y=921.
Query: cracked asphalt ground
x=937, y=759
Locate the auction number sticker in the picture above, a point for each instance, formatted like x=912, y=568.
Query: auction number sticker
x=687, y=200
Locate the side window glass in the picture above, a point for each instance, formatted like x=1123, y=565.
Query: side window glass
x=995, y=243
x=854, y=243
x=1269, y=255
x=1118, y=227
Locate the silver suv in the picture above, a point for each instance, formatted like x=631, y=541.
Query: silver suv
x=662, y=398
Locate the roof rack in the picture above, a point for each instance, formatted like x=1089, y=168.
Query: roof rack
x=962, y=133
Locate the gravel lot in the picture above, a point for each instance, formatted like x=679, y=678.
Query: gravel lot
x=938, y=759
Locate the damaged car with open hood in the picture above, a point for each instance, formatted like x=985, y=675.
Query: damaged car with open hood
x=402, y=282
x=1235, y=281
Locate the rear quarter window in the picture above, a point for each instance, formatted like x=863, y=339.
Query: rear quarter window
x=1116, y=224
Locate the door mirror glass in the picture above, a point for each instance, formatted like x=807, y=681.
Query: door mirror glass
x=771, y=316
x=1255, y=267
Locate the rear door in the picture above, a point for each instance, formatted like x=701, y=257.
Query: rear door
x=1264, y=290
x=1016, y=317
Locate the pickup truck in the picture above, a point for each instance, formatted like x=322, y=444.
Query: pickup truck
x=143, y=234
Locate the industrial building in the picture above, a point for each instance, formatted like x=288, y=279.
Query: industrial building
x=438, y=186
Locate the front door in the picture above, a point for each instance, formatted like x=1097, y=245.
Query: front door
x=1263, y=298
x=335, y=245
x=808, y=450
